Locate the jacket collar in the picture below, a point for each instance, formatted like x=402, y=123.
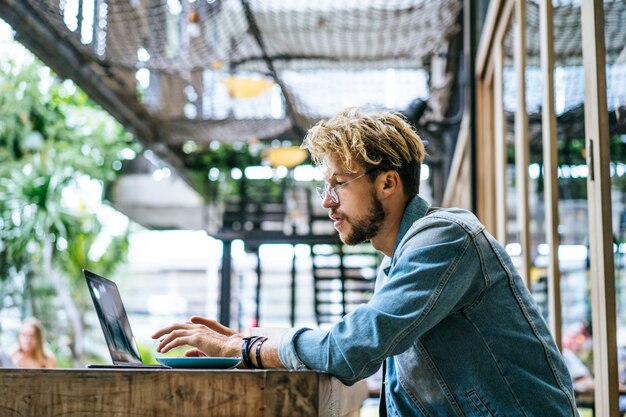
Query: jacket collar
x=415, y=210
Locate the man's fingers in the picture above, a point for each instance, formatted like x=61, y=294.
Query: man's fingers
x=179, y=341
x=213, y=325
x=160, y=333
x=171, y=328
x=199, y=332
x=174, y=335
x=194, y=353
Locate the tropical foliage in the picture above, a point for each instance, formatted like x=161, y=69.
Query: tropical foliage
x=56, y=148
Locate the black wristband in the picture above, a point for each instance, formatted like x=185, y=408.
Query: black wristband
x=246, y=344
x=259, y=363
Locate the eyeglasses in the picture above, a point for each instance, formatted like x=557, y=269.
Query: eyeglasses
x=332, y=191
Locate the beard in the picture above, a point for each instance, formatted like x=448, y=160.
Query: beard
x=365, y=228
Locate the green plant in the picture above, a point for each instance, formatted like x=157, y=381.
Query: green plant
x=52, y=140
x=210, y=166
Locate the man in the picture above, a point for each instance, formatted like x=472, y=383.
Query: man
x=458, y=331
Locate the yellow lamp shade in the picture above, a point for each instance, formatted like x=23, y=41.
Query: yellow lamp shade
x=288, y=157
x=246, y=87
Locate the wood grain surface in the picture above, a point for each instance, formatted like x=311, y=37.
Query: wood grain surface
x=170, y=393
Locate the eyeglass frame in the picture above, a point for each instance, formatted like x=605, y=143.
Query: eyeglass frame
x=327, y=190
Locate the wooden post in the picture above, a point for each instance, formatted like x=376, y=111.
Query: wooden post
x=599, y=200
x=522, y=150
x=551, y=186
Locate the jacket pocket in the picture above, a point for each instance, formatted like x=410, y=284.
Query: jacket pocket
x=479, y=405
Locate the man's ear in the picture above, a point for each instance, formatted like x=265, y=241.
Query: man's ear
x=391, y=183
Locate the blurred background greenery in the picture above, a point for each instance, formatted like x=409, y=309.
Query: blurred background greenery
x=56, y=147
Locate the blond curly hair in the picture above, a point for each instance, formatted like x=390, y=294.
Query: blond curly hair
x=378, y=140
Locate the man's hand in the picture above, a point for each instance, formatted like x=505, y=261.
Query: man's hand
x=208, y=337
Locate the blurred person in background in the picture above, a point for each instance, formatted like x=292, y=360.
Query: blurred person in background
x=581, y=376
x=30, y=352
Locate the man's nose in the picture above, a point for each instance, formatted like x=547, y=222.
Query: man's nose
x=328, y=201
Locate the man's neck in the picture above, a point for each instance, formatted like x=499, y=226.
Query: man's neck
x=385, y=240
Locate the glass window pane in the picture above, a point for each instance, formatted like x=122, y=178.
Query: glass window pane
x=573, y=227
x=569, y=95
x=510, y=104
x=615, y=40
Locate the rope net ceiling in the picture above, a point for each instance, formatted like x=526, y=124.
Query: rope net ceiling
x=240, y=69
x=569, y=77
x=567, y=30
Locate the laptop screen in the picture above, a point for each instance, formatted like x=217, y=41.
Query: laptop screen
x=113, y=319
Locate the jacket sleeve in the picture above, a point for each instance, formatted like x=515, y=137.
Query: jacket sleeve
x=431, y=276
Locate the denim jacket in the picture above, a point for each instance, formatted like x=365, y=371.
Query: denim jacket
x=460, y=333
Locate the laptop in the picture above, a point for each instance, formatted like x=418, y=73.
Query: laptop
x=115, y=325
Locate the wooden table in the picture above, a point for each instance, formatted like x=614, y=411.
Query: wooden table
x=170, y=393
